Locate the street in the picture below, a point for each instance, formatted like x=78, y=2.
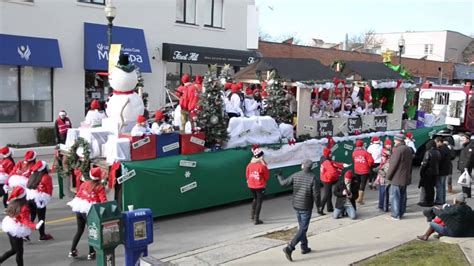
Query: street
x=177, y=234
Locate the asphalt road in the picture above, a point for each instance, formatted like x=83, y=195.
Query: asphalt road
x=172, y=235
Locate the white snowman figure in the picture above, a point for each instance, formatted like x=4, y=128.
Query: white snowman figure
x=125, y=105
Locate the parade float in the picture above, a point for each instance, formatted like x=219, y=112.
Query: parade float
x=179, y=172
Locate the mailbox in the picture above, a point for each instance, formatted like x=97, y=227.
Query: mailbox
x=104, y=223
x=138, y=234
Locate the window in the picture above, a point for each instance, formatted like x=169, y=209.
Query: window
x=26, y=94
x=186, y=11
x=97, y=2
x=417, y=80
x=428, y=48
x=214, y=13
x=442, y=98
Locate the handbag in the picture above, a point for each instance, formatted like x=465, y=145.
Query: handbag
x=464, y=179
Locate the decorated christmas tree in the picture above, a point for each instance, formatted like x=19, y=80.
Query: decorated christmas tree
x=211, y=119
x=278, y=106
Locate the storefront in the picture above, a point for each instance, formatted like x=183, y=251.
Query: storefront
x=96, y=56
x=26, y=78
x=194, y=60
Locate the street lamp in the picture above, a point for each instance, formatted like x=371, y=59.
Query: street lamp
x=110, y=13
x=401, y=44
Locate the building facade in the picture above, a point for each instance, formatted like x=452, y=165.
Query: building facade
x=53, y=57
x=445, y=46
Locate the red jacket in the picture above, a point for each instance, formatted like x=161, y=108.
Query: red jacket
x=188, y=97
x=95, y=196
x=330, y=171
x=22, y=168
x=63, y=126
x=6, y=166
x=46, y=184
x=257, y=175
x=363, y=161
x=24, y=217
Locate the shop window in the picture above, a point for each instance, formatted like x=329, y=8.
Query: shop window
x=96, y=88
x=26, y=94
x=428, y=49
x=97, y=2
x=186, y=11
x=214, y=13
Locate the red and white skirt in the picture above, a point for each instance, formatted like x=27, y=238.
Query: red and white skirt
x=14, y=228
x=80, y=205
x=41, y=199
x=17, y=180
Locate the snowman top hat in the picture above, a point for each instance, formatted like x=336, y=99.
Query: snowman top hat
x=124, y=63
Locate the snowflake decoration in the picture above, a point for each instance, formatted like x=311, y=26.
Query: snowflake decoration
x=187, y=174
x=346, y=153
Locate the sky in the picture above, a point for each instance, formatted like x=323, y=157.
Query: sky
x=330, y=20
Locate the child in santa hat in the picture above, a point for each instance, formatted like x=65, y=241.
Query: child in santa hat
x=160, y=126
x=95, y=115
x=234, y=106
x=22, y=170
x=6, y=167
x=17, y=224
x=410, y=141
x=141, y=128
x=251, y=106
x=89, y=192
x=363, y=163
x=346, y=194
x=257, y=175
x=375, y=149
x=38, y=194
x=329, y=174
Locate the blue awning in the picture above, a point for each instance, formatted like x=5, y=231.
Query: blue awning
x=96, y=46
x=29, y=51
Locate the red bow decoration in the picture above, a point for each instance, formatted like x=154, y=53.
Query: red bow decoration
x=331, y=142
x=367, y=94
x=291, y=142
x=399, y=82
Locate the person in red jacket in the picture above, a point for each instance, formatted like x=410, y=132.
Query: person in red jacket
x=6, y=167
x=363, y=163
x=90, y=192
x=61, y=126
x=38, y=194
x=329, y=175
x=24, y=167
x=185, y=97
x=257, y=175
x=17, y=224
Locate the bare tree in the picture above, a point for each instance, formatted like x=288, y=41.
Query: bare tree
x=265, y=36
x=367, y=40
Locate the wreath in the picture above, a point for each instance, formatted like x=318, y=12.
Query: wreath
x=73, y=161
x=338, y=65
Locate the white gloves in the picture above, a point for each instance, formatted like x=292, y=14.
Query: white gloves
x=344, y=192
x=6, y=188
x=39, y=224
x=346, y=165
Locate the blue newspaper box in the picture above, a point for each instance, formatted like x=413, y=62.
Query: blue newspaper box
x=167, y=145
x=138, y=234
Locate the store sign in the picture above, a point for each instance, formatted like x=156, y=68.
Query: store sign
x=29, y=51
x=354, y=125
x=96, y=49
x=325, y=128
x=207, y=55
x=380, y=123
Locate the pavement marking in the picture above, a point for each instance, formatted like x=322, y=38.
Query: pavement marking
x=62, y=220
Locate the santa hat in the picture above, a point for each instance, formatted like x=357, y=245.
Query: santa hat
x=159, y=115
x=198, y=79
x=228, y=86
x=348, y=175
x=249, y=91
x=17, y=193
x=39, y=166
x=30, y=156
x=387, y=142
x=5, y=151
x=141, y=119
x=235, y=88
x=95, y=173
x=185, y=78
x=326, y=152
x=375, y=139
x=95, y=105
x=193, y=115
x=359, y=143
x=409, y=135
x=62, y=113
x=257, y=152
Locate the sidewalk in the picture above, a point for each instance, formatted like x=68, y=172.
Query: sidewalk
x=334, y=242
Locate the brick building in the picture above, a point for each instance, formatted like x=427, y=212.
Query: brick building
x=420, y=69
